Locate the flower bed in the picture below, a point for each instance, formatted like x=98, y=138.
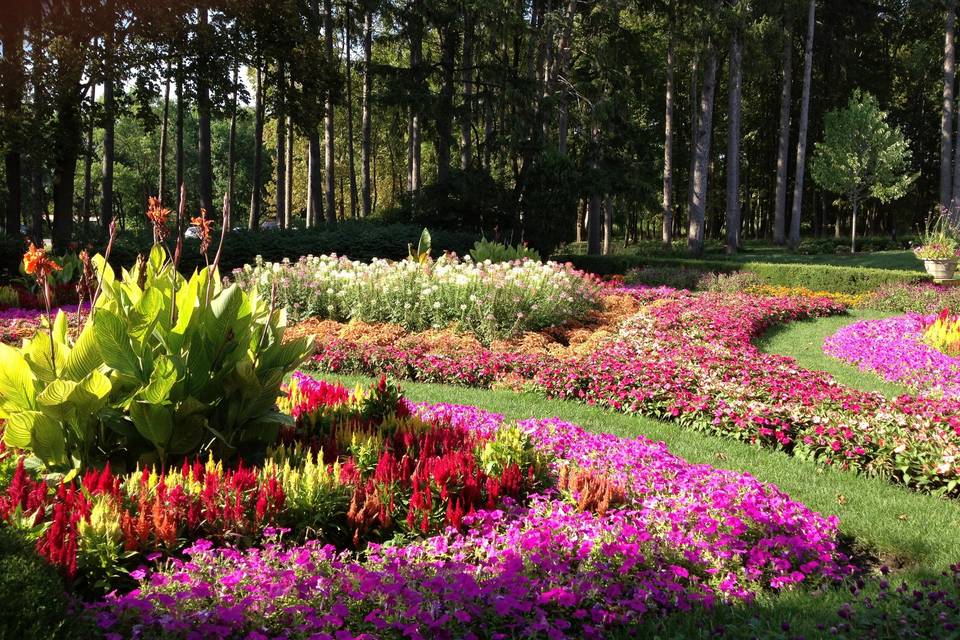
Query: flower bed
x=18, y=323
x=689, y=358
x=893, y=348
x=490, y=300
x=623, y=530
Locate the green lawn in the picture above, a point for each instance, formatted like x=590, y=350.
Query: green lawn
x=804, y=341
x=911, y=532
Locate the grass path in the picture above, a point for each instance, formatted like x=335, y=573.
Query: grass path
x=803, y=341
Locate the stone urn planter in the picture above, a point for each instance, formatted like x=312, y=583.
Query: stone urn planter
x=941, y=269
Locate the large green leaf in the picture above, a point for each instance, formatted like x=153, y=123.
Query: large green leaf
x=37, y=351
x=155, y=263
x=85, y=355
x=153, y=422
x=47, y=441
x=190, y=426
x=16, y=378
x=17, y=430
x=39, y=433
x=104, y=274
x=115, y=346
x=162, y=379
x=96, y=384
x=55, y=399
x=286, y=354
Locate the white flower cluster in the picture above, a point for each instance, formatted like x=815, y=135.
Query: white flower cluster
x=490, y=299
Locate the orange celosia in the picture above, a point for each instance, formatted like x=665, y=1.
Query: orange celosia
x=36, y=262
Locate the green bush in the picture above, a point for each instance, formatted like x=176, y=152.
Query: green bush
x=498, y=252
x=665, y=276
x=35, y=604
x=816, y=277
x=360, y=240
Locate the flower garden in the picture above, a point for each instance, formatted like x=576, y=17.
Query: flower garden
x=188, y=465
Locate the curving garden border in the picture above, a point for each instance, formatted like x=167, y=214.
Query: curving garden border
x=689, y=358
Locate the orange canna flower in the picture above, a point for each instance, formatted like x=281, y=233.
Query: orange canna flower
x=158, y=215
x=205, y=227
x=36, y=262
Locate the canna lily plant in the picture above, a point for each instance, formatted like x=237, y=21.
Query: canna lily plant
x=164, y=367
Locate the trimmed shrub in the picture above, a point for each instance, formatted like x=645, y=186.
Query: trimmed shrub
x=35, y=604
x=816, y=277
x=356, y=239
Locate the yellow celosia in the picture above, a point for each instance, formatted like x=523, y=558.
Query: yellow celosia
x=99, y=535
x=944, y=333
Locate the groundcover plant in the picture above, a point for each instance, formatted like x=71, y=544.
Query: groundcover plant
x=689, y=357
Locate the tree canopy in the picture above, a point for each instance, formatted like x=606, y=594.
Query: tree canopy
x=542, y=121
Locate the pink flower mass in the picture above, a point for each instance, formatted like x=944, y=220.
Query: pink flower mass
x=893, y=349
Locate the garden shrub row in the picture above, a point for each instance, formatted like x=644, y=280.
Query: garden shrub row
x=816, y=277
x=357, y=239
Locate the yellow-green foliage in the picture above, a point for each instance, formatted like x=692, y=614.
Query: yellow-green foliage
x=511, y=445
x=100, y=535
x=499, y=252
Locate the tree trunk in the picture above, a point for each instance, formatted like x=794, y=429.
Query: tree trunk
x=946, y=119
x=281, y=146
x=328, y=117
x=351, y=164
x=232, y=139
x=581, y=218
x=466, y=117
x=563, y=62
x=68, y=134
x=204, y=160
x=180, y=107
x=802, y=132
x=365, y=125
x=694, y=128
x=416, y=60
x=13, y=79
x=853, y=225
x=257, y=178
x=594, y=220
x=698, y=203
x=783, y=145
x=164, y=125
x=88, y=167
x=288, y=200
x=733, y=145
x=448, y=47
x=668, y=150
x=316, y=178
x=608, y=226
x=109, y=146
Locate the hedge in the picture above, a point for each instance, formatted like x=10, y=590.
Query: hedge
x=356, y=239
x=816, y=277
